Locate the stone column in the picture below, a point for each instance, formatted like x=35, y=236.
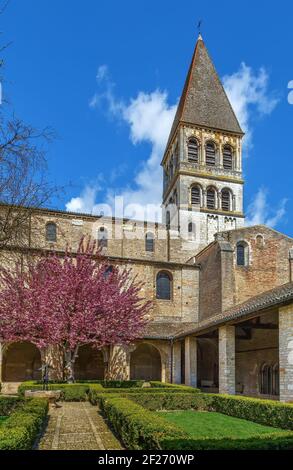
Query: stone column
x=190, y=361
x=176, y=372
x=286, y=352
x=227, y=359
x=119, y=363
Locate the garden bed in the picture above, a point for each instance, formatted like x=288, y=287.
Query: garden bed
x=23, y=423
x=213, y=425
x=139, y=426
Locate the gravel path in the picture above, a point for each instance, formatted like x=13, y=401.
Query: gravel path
x=77, y=426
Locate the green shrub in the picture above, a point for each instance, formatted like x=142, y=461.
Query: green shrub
x=21, y=429
x=170, y=401
x=95, y=393
x=137, y=427
x=8, y=404
x=274, y=441
x=69, y=392
x=269, y=412
x=140, y=428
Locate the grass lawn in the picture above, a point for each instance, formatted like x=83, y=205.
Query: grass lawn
x=2, y=418
x=200, y=424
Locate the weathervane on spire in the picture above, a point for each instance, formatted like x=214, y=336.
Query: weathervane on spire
x=199, y=28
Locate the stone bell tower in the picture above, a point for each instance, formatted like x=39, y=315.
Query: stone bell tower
x=202, y=163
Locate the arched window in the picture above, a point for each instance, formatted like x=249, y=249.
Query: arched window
x=163, y=286
x=242, y=254
x=265, y=380
x=210, y=154
x=211, y=198
x=51, y=232
x=227, y=157
x=191, y=230
x=195, y=195
x=108, y=271
x=226, y=200
x=149, y=242
x=259, y=241
x=102, y=238
x=193, y=150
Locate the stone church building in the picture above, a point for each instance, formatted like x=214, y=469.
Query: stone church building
x=222, y=316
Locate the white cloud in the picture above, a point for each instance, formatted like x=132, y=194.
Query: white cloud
x=260, y=211
x=149, y=117
x=248, y=93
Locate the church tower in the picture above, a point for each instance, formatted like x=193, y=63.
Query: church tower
x=202, y=163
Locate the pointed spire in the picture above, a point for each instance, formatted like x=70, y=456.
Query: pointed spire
x=204, y=101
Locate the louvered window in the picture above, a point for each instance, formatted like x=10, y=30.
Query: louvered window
x=211, y=199
x=195, y=195
x=225, y=200
x=149, y=242
x=51, y=232
x=193, y=151
x=163, y=287
x=227, y=158
x=210, y=154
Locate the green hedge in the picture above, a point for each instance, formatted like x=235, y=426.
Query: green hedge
x=140, y=428
x=170, y=401
x=8, y=404
x=269, y=412
x=137, y=427
x=21, y=429
x=95, y=393
x=81, y=391
x=69, y=392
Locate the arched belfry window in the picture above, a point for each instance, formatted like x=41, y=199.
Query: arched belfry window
x=102, y=237
x=195, y=195
x=227, y=158
x=226, y=200
x=210, y=154
x=193, y=150
x=211, y=198
x=164, y=286
x=149, y=242
x=51, y=232
x=242, y=253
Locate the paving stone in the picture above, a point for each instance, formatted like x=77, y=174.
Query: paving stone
x=77, y=426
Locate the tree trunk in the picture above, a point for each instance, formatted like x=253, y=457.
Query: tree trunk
x=70, y=357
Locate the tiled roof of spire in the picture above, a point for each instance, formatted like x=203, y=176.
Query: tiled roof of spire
x=204, y=101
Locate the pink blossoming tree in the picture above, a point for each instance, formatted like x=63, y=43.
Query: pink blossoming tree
x=71, y=301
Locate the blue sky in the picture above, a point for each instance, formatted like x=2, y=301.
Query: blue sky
x=102, y=72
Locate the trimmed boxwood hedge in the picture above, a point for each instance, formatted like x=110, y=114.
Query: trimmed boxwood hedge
x=83, y=391
x=69, y=392
x=137, y=427
x=20, y=430
x=8, y=404
x=95, y=393
x=140, y=428
x=268, y=412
